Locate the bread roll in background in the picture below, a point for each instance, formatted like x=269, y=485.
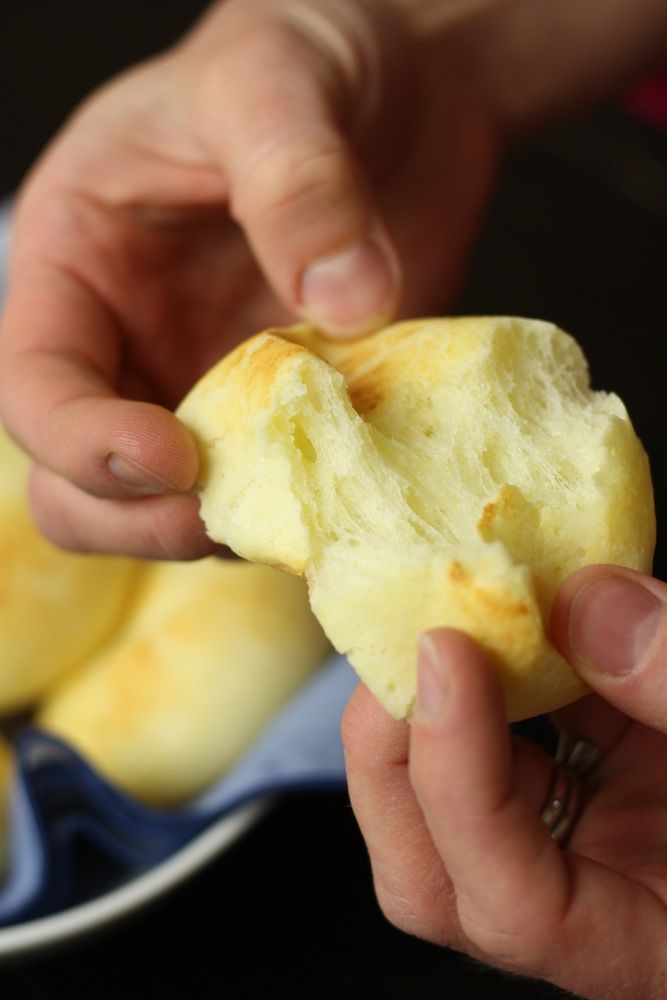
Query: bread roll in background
x=439, y=473
x=6, y=774
x=55, y=607
x=211, y=650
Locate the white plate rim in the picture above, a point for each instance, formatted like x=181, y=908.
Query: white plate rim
x=67, y=925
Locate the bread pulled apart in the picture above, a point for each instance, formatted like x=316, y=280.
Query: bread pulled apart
x=439, y=473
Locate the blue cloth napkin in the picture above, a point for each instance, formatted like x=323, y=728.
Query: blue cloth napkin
x=73, y=835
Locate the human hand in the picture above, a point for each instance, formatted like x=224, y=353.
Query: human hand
x=184, y=206
x=450, y=805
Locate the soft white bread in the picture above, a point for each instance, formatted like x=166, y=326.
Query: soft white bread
x=440, y=473
x=55, y=607
x=208, y=654
x=6, y=774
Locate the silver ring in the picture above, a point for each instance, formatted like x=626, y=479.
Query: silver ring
x=574, y=760
x=576, y=756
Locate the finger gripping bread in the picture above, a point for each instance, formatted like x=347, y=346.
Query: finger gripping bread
x=440, y=473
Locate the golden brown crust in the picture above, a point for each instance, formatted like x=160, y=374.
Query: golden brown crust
x=212, y=650
x=442, y=472
x=56, y=607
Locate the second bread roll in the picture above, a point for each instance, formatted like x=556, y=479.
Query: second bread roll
x=209, y=652
x=56, y=607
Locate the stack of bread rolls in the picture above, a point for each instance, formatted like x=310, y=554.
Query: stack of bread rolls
x=160, y=674
x=56, y=608
x=208, y=653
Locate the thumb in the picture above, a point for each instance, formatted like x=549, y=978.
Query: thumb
x=611, y=624
x=271, y=116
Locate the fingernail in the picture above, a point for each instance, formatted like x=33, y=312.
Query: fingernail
x=431, y=685
x=137, y=476
x=612, y=624
x=351, y=292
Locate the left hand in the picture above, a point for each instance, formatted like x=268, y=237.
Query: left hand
x=275, y=163
x=449, y=806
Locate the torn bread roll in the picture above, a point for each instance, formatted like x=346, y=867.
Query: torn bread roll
x=56, y=607
x=439, y=473
x=210, y=651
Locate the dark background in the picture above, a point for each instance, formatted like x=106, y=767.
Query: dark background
x=576, y=234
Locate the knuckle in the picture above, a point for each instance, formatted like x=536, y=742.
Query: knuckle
x=174, y=530
x=397, y=909
x=523, y=945
x=352, y=39
x=162, y=538
x=354, y=726
x=247, y=41
x=55, y=522
x=307, y=172
x=60, y=534
x=417, y=907
x=9, y=424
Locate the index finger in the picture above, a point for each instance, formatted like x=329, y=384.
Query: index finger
x=60, y=361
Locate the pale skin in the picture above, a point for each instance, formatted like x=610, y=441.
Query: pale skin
x=449, y=806
x=166, y=223
x=194, y=201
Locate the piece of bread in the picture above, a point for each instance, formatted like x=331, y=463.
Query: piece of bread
x=211, y=650
x=439, y=473
x=6, y=774
x=55, y=607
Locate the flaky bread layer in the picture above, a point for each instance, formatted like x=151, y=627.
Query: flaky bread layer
x=442, y=472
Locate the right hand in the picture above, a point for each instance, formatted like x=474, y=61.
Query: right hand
x=288, y=158
x=450, y=805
